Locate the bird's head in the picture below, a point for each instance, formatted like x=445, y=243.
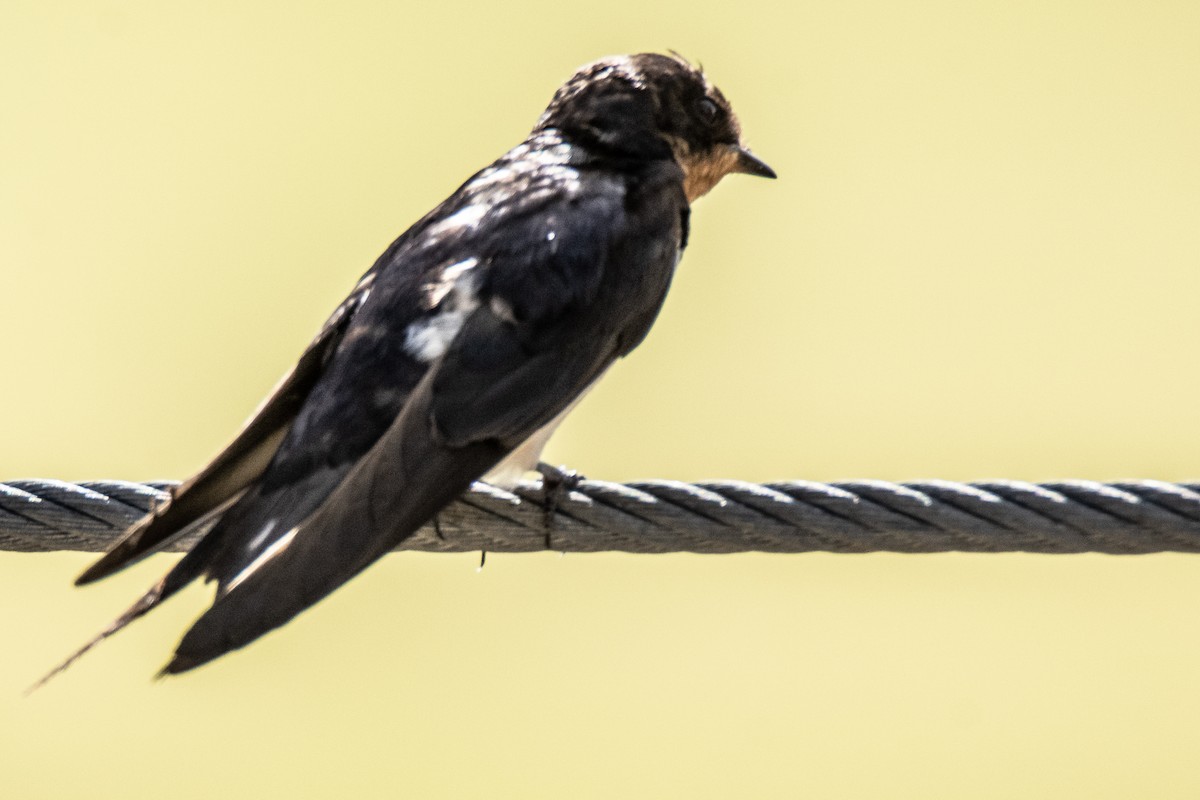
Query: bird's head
x=654, y=106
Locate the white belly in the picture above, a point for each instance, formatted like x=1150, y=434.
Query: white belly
x=526, y=457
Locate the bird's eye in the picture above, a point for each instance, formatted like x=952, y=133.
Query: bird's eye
x=707, y=110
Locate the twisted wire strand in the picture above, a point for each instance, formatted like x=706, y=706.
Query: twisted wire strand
x=1126, y=517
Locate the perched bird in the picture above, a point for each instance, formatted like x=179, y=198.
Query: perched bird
x=455, y=356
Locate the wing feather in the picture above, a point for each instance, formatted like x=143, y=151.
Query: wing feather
x=500, y=380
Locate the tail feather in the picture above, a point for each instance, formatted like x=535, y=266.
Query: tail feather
x=147, y=601
x=187, y=570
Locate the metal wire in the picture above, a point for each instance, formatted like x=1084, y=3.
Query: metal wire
x=710, y=517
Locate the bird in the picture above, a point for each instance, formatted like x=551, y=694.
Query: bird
x=454, y=357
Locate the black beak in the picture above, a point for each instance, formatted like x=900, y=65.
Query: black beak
x=751, y=164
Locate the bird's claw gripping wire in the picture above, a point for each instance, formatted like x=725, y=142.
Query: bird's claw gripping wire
x=557, y=485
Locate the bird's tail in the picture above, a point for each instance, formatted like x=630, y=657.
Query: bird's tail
x=147, y=601
x=188, y=569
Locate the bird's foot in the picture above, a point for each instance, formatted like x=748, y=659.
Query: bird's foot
x=557, y=484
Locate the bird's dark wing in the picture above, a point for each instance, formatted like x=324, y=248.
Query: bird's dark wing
x=241, y=463
x=537, y=333
x=488, y=240
x=222, y=483
x=295, y=449
x=244, y=461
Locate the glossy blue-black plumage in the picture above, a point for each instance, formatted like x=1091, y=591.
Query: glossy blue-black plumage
x=477, y=327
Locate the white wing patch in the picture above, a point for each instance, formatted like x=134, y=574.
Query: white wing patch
x=427, y=340
x=453, y=296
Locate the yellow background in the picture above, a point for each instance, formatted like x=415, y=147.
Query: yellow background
x=980, y=260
